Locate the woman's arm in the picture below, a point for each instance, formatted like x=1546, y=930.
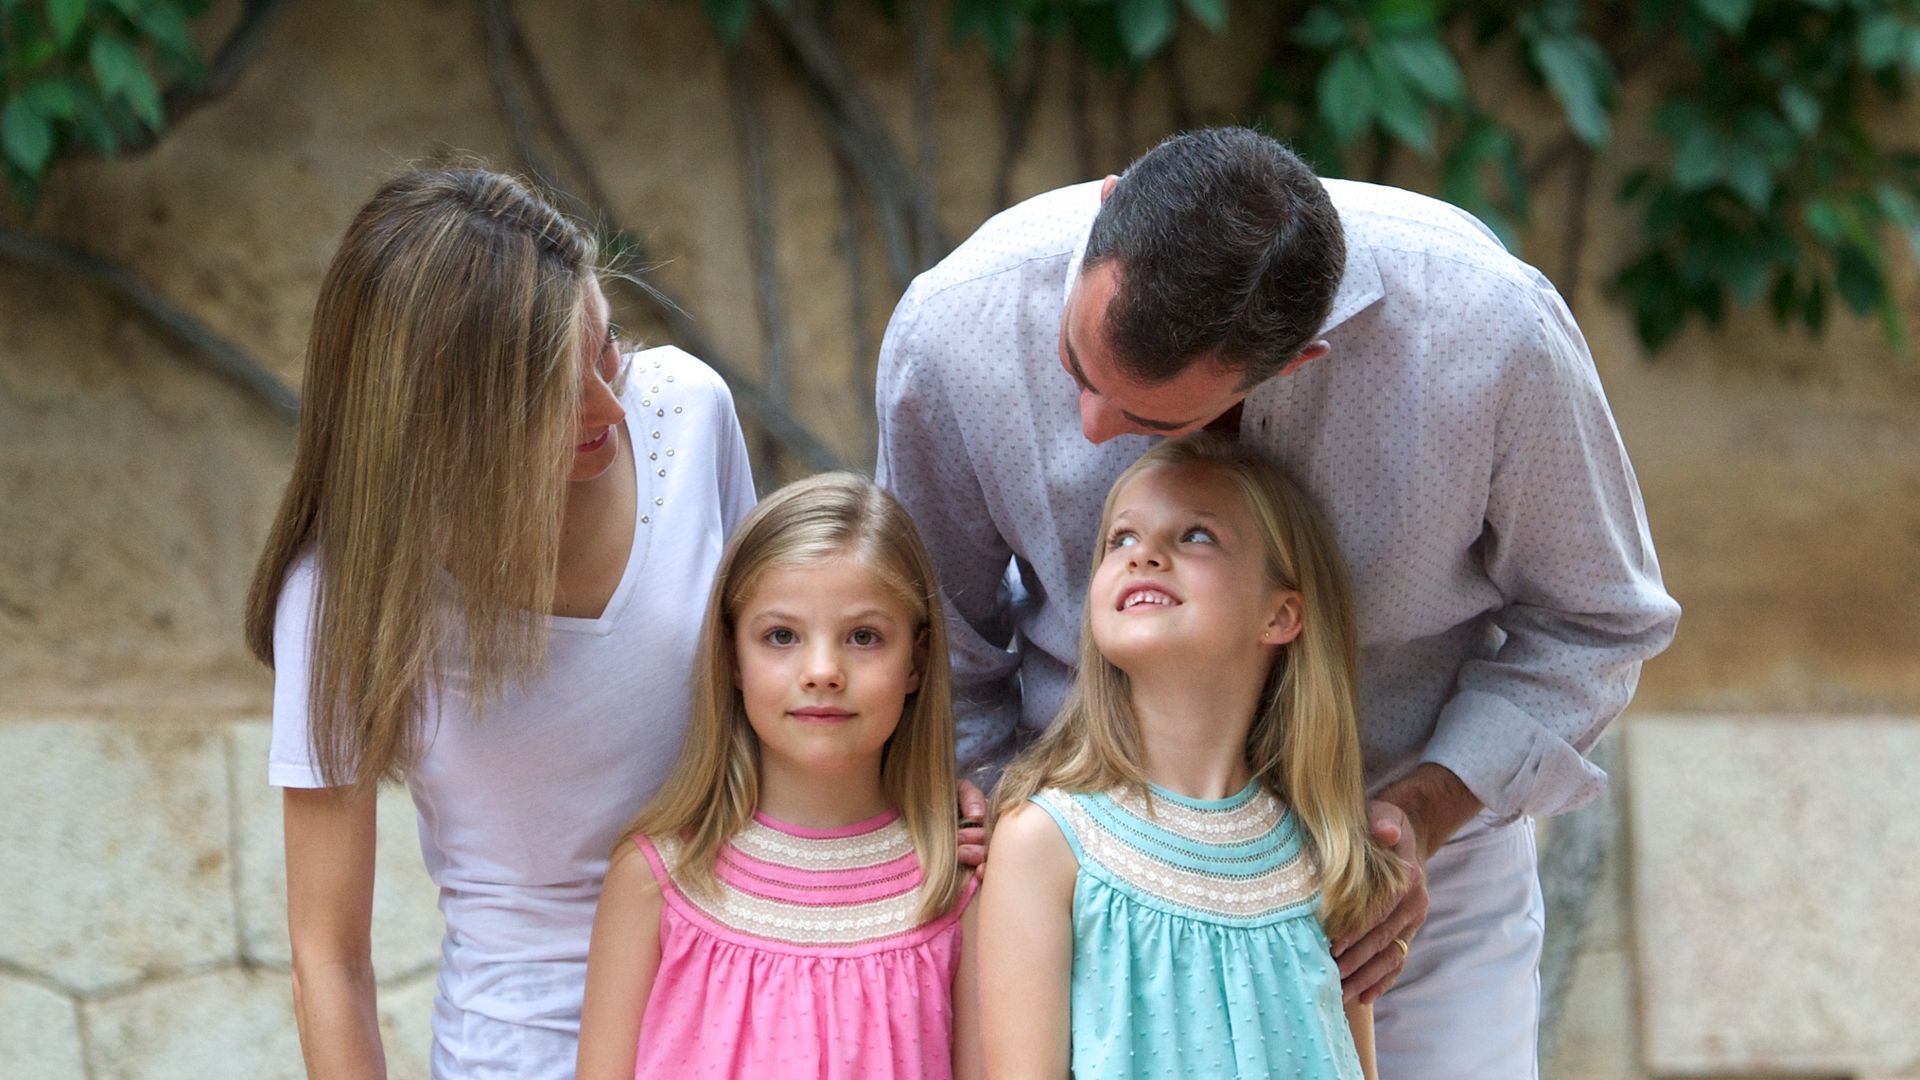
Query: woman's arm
x=330, y=842
x=1360, y=1019
x=1024, y=949
x=622, y=960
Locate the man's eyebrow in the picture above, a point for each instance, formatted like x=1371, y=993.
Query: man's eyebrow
x=1157, y=425
x=1073, y=364
x=1080, y=376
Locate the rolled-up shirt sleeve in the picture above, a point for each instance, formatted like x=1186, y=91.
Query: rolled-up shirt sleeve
x=1567, y=546
x=924, y=460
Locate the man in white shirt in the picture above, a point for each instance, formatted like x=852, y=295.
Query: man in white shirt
x=1435, y=396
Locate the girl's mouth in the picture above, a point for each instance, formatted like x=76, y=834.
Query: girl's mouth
x=594, y=443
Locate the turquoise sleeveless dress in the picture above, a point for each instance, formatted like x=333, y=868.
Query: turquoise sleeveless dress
x=1197, y=947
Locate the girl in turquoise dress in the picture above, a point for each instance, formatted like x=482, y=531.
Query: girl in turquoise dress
x=1170, y=857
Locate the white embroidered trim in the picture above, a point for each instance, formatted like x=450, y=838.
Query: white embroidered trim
x=1250, y=820
x=885, y=844
x=1292, y=882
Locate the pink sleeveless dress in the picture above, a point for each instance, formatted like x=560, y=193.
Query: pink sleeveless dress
x=808, y=963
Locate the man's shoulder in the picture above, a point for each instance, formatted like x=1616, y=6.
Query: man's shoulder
x=1405, y=230
x=1048, y=226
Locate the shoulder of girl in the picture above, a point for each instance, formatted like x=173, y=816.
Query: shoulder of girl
x=1028, y=832
x=630, y=872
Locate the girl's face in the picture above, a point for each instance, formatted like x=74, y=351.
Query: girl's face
x=825, y=657
x=597, y=444
x=1184, y=577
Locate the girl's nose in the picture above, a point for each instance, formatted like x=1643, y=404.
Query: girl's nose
x=823, y=670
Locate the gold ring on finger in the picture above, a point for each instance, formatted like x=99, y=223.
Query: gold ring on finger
x=1403, y=947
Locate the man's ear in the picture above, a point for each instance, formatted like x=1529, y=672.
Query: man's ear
x=1306, y=356
x=1106, y=186
x=1284, y=623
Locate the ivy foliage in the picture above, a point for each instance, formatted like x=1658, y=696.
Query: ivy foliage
x=87, y=73
x=1774, y=177
x=1769, y=181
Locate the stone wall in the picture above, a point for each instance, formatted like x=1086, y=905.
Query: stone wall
x=143, y=928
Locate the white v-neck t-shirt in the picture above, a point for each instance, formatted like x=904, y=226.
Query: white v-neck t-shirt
x=520, y=807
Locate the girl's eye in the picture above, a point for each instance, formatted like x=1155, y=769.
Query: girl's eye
x=1198, y=535
x=864, y=636
x=1121, y=539
x=780, y=635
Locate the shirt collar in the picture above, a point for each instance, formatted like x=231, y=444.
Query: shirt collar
x=1360, y=284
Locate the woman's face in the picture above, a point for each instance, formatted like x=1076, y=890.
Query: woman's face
x=597, y=442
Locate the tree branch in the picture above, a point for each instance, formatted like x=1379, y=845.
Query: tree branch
x=750, y=126
x=1079, y=118
x=216, y=352
x=860, y=368
x=771, y=415
x=246, y=42
x=931, y=244
x=1016, y=116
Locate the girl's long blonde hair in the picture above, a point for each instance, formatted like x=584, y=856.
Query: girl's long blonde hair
x=443, y=381
x=1305, y=740
x=714, y=786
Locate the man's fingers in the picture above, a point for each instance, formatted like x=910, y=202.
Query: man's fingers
x=973, y=801
x=973, y=855
x=1376, y=974
x=970, y=837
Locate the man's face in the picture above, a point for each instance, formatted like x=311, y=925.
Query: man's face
x=1110, y=403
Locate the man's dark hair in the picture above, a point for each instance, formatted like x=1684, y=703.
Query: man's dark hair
x=1225, y=242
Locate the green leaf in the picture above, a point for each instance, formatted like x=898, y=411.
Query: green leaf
x=1427, y=62
x=1879, y=39
x=1211, y=13
x=166, y=27
x=1749, y=175
x=26, y=136
x=729, y=17
x=66, y=17
x=1345, y=95
x=52, y=98
x=995, y=23
x=1728, y=15
x=1399, y=112
x=1322, y=29
x=123, y=75
x=1825, y=220
x=1858, y=280
x=1145, y=25
x=1698, y=158
x=1392, y=17
x=1568, y=64
x=1801, y=108
x=1813, y=306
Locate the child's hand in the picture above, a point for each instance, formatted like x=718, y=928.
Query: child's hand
x=1370, y=961
x=973, y=826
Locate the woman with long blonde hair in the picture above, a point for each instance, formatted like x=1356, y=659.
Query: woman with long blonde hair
x=1170, y=857
x=484, y=580
x=789, y=903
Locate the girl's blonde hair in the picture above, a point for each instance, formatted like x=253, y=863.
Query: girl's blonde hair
x=714, y=786
x=443, y=382
x=1305, y=741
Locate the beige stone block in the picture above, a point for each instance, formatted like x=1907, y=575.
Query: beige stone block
x=1773, y=893
x=1597, y=1038
x=114, y=848
x=406, y=915
x=39, y=1033
x=229, y=1023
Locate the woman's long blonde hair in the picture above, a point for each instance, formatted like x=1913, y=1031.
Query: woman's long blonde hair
x=443, y=381
x=1305, y=740
x=714, y=786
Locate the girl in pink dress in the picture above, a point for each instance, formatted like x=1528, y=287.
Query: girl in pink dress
x=789, y=904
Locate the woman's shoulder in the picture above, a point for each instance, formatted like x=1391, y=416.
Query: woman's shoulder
x=672, y=371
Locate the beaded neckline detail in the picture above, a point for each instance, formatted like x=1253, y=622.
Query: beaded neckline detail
x=1238, y=859
x=811, y=888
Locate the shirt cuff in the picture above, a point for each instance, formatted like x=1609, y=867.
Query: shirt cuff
x=291, y=774
x=1512, y=764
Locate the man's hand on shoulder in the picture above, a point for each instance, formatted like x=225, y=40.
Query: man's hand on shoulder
x=1413, y=817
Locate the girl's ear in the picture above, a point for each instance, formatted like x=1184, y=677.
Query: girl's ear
x=1284, y=622
x=919, y=661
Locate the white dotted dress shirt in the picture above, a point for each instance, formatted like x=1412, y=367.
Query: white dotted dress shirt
x=1456, y=436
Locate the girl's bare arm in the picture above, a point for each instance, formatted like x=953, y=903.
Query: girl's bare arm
x=1360, y=1019
x=622, y=960
x=1025, y=949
